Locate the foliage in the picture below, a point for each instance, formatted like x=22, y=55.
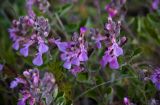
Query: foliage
x=93, y=84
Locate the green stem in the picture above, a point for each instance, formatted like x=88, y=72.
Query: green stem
x=104, y=83
x=62, y=26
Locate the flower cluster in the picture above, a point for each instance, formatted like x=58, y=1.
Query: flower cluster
x=31, y=32
x=114, y=7
x=155, y=78
x=33, y=88
x=42, y=5
x=74, y=53
x=113, y=49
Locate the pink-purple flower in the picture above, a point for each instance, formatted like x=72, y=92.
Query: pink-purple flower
x=1, y=67
x=34, y=89
x=114, y=7
x=29, y=33
x=155, y=78
x=74, y=53
x=155, y=4
x=126, y=101
x=42, y=5
x=113, y=49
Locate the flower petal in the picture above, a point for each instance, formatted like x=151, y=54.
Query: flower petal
x=43, y=48
x=117, y=50
x=62, y=46
x=38, y=61
x=24, y=51
x=13, y=84
x=105, y=59
x=1, y=67
x=21, y=102
x=83, y=56
x=67, y=65
x=16, y=45
x=75, y=61
x=98, y=44
x=114, y=63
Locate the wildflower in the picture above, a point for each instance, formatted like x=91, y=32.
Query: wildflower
x=28, y=33
x=42, y=5
x=126, y=101
x=155, y=78
x=74, y=52
x=114, y=7
x=111, y=10
x=34, y=89
x=113, y=49
x=97, y=37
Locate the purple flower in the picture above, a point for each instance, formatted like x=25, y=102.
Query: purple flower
x=114, y=8
x=155, y=78
x=67, y=64
x=96, y=37
x=74, y=52
x=76, y=69
x=117, y=51
x=83, y=30
x=34, y=89
x=111, y=11
x=13, y=84
x=126, y=101
x=1, y=67
x=42, y=5
x=35, y=78
x=24, y=51
x=114, y=49
x=75, y=61
x=155, y=4
x=62, y=46
x=111, y=56
x=43, y=48
x=16, y=45
x=21, y=102
x=38, y=61
x=28, y=32
x=105, y=60
x=83, y=56
x=113, y=64
x=26, y=74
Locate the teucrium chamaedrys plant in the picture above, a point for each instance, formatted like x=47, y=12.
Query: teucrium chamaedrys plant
x=82, y=53
x=30, y=35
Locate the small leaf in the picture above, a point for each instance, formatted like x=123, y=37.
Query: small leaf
x=65, y=9
x=55, y=92
x=82, y=77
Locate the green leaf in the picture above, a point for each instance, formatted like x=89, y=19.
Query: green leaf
x=137, y=52
x=82, y=77
x=55, y=92
x=65, y=9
